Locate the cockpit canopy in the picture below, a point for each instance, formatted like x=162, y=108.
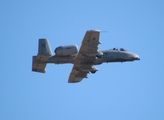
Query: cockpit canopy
x=119, y=49
x=122, y=49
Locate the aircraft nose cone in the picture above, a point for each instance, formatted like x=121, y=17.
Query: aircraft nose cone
x=136, y=57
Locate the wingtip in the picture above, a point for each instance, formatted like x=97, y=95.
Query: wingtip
x=73, y=81
x=94, y=30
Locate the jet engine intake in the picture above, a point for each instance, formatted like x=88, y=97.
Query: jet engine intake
x=68, y=50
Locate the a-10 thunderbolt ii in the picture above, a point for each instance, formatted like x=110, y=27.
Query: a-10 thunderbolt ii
x=83, y=60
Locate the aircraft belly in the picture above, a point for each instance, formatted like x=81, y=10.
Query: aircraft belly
x=61, y=60
x=111, y=59
x=119, y=60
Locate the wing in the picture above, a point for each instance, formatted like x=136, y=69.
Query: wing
x=86, y=56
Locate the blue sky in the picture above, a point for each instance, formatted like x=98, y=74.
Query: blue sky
x=118, y=91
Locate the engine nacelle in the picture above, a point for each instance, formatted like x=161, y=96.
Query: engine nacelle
x=66, y=50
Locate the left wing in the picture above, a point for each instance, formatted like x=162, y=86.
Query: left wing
x=86, y=56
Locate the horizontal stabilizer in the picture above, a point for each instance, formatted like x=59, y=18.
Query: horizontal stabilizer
x=39, y=63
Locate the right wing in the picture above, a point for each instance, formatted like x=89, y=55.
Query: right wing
x=86, y=56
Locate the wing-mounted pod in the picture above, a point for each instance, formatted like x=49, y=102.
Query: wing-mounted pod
x=99, y=54
x=93, y=70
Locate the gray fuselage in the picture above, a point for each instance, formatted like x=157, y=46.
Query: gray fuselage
x=112, y=55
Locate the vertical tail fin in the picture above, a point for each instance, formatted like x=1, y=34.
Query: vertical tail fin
x=44, y=48
x=44, y=52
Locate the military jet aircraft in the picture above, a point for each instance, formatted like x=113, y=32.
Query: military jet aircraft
x=83, y=60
